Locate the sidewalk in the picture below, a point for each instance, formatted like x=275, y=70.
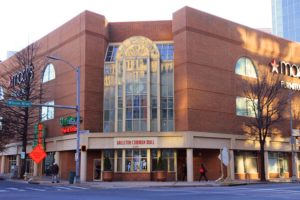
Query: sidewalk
x=134, y=184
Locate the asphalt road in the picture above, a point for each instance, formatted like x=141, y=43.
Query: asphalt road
x=13, y=191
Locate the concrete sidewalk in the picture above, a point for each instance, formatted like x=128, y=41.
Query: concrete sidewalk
x=133, y=184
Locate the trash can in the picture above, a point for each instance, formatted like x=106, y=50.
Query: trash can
x=71, y=177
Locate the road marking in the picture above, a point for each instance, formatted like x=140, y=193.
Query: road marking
x=3, y=191
x=15, y=189
x=77, y=187
x=65, y=188
x=36, y=189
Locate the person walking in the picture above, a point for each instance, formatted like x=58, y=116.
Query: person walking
x=55, y=171
x=202, y=172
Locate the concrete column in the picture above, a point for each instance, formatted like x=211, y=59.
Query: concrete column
x=57, y=161
x=267, y=164
x=296, y=165
x=35, y=169
x=83, y=166
x=230, y=172
x=148, y=160
x=2, y=164
x=190, y=165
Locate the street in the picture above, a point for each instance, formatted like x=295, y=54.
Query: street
x=13, y=190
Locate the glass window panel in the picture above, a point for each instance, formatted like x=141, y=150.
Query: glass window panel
x=153, y=102
x=143, y=100
x=128, y=125
x=164, y=125
x=136, y=101
x=143, y=113
x=153, y=124
x=120, y=126
x=154, y=90
x=164, y=91
x=111, y=115
x=120, y=114
x=128, y=113
x=129, y=101
x=136, y=113
x=106, y=115
x=154, y=113
x=136, y=125
x=170, y=103
x=170, y=125
x=143, y=125
x=164, y=113
x=164, y=102
x=170, y=113
x=153, y=77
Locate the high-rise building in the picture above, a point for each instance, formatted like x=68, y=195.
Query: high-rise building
x=286, y=19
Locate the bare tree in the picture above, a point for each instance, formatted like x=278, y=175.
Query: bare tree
x=21, y=81
x=267, y=102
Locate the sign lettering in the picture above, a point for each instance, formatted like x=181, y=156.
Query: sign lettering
x=27, y=74
x=144, y=142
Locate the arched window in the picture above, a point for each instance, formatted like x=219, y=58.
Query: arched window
x=245, y=67
x=49, y=73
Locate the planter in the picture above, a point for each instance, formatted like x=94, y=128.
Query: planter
x=107, y=176
x=161, y=175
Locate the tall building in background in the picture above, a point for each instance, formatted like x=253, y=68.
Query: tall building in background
x=286, y=19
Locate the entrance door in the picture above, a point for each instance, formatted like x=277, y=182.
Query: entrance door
x=97, y=169
x=181, y=165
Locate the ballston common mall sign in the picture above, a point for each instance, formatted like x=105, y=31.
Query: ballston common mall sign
x=287, y=69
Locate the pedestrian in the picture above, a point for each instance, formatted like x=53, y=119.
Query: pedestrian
x=55, y=171
x=203, y=172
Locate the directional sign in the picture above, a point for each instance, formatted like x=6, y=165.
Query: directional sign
x=37, y=154
x=18, y=103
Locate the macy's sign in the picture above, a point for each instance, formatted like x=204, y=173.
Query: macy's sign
x=285, y=68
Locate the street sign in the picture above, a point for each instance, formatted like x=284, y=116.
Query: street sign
x=22, y=155
x=37, y=154
x=18, y=103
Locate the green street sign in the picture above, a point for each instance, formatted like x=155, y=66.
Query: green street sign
x=18, y=103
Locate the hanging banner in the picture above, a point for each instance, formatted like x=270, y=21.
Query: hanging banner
x=39, y=135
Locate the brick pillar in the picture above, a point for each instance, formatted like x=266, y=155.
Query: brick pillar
x=2, y=164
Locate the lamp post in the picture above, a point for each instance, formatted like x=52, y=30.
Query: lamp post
x=77, y=108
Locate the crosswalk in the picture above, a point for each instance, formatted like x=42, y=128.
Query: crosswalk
x=41, y=189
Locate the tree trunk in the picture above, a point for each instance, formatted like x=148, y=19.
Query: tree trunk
x=262, y=162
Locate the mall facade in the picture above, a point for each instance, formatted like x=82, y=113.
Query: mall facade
x=168, y=89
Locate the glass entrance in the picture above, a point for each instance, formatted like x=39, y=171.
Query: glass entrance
x=97, y=169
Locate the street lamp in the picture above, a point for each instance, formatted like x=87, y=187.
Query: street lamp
x=77, y=108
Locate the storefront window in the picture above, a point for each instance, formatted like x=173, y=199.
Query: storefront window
x=278, y=162
x=12, y=162
x=110, y=154
x=49, y=160
x=245, y=162
x=119, y=160
x=136, y=160
x=167, y=158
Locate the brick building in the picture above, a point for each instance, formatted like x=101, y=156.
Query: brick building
x=168, y=89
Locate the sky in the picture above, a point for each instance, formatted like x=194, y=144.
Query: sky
x=23, y=22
